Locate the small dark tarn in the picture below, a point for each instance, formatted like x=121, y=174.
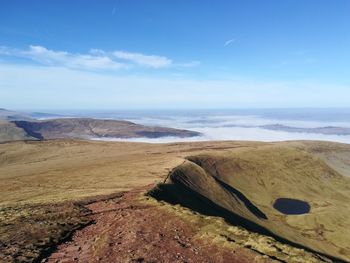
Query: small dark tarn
x=290, y=206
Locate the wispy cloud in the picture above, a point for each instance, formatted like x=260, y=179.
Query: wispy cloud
x=229, y=42
x=152, y=61
x=95, y=59
x=49, y=57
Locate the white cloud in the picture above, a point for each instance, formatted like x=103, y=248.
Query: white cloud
x=95, y=59
x=96, y=51
x=240, y=134
x=229, y=42
x=49, y=57
x=144, y=60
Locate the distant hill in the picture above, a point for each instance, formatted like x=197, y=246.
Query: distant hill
x=10, y=132
x=328, y=130
x=83, y=128
x=44, y=115
x=13, y=115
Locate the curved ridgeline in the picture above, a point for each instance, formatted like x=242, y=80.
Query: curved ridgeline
x=248, y=191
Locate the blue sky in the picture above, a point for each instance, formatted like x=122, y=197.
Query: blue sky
x=174, y=54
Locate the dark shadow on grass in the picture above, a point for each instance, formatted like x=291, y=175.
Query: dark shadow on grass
x=29, y=128
x=178, y=193
x=248, y=204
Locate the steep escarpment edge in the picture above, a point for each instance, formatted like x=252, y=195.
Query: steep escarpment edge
x=178, y=189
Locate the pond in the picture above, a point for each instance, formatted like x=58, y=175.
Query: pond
x=290, y=206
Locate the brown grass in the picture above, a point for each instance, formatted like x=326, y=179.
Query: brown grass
x=261, y=176
x=29, y=232
x=41, y=182
x=52, y=171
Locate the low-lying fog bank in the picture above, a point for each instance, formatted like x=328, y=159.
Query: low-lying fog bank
x=242, y=134
x=250, y=124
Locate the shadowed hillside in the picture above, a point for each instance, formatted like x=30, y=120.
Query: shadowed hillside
x=83, y=128
x=10, y=132
x=243, y=186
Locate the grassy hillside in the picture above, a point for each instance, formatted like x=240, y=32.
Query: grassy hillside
x=248, y=181
x=60, y=170
x=83, y=128
x=43, y=183
x=10, y=132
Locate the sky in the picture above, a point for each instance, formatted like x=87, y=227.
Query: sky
x=183, y=54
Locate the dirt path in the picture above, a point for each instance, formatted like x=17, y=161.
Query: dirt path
x=129, y=231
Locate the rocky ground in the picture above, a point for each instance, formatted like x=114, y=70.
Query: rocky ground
x=127, y=232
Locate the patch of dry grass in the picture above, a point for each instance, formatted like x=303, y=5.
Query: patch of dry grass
x=28, y=232
x=63, y=170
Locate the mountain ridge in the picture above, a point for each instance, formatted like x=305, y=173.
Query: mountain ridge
x=84, y=128
x=242, y=187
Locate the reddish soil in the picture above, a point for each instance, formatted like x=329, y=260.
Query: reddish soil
x=129, y=231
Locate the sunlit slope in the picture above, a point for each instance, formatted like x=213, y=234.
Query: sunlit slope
x=10, y=132
x=243, y=186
